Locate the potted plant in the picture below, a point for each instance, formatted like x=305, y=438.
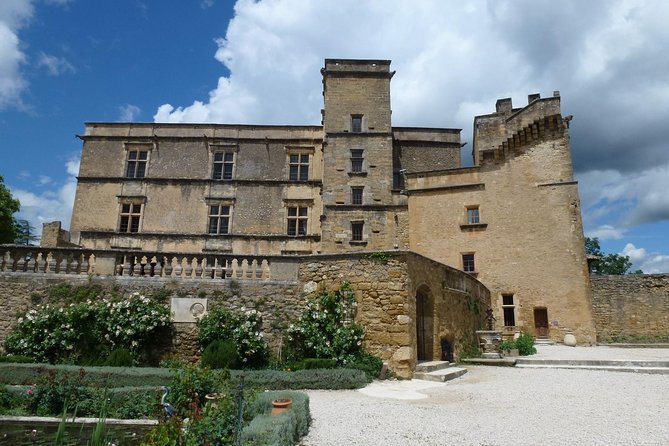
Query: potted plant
x=280, y=405
x=509, y=347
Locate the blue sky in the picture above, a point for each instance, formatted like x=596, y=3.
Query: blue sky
x=65, y=62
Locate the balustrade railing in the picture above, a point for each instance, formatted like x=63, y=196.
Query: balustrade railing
x=33, y=259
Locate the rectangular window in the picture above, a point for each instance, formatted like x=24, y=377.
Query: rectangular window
x=356, y=123
x=473, y=216
x=356, y=194
x=357, y=158
x=297, y=220
x=136, y=164
x=509, y=309
x=398, y=180
x=219, y=219
x=357, y=230
x=468, y=264
x=299, y=167
x=224, y=163
x=130, y=216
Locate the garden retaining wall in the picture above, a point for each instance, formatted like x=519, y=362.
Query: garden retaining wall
x=385, y=287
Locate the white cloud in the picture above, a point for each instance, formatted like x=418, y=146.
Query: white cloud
x=13, y=15
x=649, y=263
x=606, y=232
x=51, y=205
x=56, y=66
x=128, y=112
x=206, y=4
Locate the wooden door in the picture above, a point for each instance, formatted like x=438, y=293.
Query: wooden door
x=541, y=322
x=421, y=335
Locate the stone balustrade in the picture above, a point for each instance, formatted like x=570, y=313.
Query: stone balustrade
x=34, y=259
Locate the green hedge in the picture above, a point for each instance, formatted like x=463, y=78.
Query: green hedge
x=27, y=374
x=328, y=379
x=285, y=429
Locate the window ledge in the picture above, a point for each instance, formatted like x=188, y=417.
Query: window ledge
x=474, y=227
x=357, y=242
x=472, y=273
x=357, y=174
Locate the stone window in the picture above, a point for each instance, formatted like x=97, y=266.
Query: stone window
x=357, y=230
x=298, y=164
x=219, y=218
x=356, y=194
x=356, y=123
x=297, y=219
x=136, y=163
x=357, y=160
x=509, y=309
x=473, y=215
x=398, y=179
x=468, y=264
x=130, y=216
x=223, y=165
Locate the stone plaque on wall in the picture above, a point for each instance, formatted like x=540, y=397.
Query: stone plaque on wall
x=188, y=309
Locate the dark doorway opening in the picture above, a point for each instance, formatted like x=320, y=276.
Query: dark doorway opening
x=541, y=322
x=424, y=335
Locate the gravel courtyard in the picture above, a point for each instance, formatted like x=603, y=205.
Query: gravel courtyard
x=501, y=406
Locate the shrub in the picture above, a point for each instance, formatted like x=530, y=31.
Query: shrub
x=120, y=357
x=329, y=379
x=220, y=355
x=61, y=392
x=508, y=344
x=242, y=328
x=262, y=405
x=84, y=331
x=368, y=363
x=17, y=359
x=316, y=363
x=525, y=344
x=27, y=374
x=190, y=384
x=326, y=328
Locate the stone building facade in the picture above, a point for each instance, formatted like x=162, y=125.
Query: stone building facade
x=356, y=184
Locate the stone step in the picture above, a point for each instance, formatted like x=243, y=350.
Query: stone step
x=442, y=375
x=431, y=366
x=543, y=341
x=613, y=365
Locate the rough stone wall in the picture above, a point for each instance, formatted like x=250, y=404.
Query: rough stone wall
x=385, y=287
x=632, y=307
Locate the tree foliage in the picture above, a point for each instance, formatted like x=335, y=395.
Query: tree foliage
x=607, y=264
x=8, y=205
x=25, y=233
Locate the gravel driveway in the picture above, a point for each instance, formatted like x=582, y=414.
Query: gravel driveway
x=501, y=406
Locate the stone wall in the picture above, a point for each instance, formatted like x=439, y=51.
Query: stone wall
x=633, y=307
x=385, y=285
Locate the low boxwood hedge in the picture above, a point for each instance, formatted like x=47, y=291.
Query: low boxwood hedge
x=326, y=379
x=27, y=374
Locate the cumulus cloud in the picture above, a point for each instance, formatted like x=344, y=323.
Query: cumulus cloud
x=649, y=263
x=51, y=205
x=14, y=14
x=128, y=112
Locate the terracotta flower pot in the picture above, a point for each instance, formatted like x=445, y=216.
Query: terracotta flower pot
x=281, y=405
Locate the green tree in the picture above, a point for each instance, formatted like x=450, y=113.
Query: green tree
x=8, y=205
x=25, y=233
x=607, y=264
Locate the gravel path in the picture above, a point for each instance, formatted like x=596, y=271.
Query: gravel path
x=503, y=406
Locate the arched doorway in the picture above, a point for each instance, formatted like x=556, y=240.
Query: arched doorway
x=424, y=324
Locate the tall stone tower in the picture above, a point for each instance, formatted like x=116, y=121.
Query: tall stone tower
x=360, y=211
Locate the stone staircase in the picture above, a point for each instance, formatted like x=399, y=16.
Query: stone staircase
x=438, y=371
x=544, y=341
x=611, y=365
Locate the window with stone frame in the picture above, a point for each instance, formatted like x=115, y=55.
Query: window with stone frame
x=219, y=218
x=468, y=264
x=356, y=194
x=223, y=165
x=356, y=123
x=357, y=160
x=473, y=215
x=130, y=217
x=509, y=310
x=357, y=231
x=297, y=219
x=298, y=166
x=136, y=162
